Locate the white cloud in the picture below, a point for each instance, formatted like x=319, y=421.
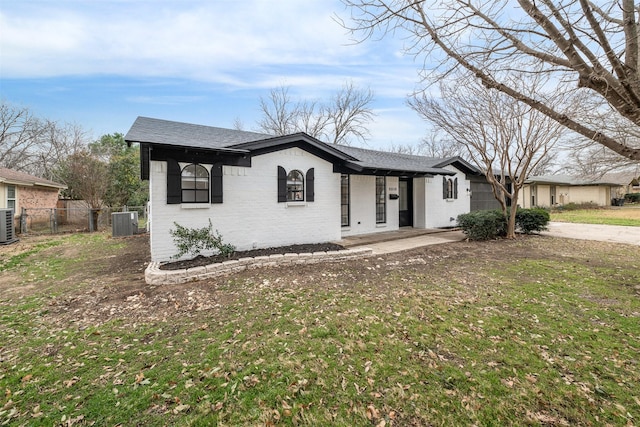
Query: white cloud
x=197, y=39
x=233, y=51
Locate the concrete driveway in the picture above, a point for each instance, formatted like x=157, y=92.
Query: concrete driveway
x=603, y=233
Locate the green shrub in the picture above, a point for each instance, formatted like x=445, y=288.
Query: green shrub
x=195, y=240
x=532, y=220
x=632, y=197
x=486, y=225
x=483, y=225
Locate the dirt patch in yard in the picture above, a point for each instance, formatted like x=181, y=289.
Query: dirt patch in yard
x=109, y=283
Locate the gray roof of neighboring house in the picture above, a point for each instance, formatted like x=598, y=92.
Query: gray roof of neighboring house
x=622, y=178
x=567, y=180
x=165, y=132
x=15, y=177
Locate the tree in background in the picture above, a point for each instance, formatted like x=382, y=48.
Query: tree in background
x=123, y=165
x=339, y=121
x=86, y=177
x=105, y=173
x=583, y=49
x=34, y=145
x=505, y=138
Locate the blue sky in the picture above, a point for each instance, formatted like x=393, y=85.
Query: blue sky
x=102, y=63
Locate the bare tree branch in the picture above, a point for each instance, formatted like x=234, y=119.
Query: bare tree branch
x=594, y=47
x=505, y=138
x=345, y=117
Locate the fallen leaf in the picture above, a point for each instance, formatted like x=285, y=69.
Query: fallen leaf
x=181, y=408
x=139, y=377
x=372, y=413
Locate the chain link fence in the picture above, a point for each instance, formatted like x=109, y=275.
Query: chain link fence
x=74, y=219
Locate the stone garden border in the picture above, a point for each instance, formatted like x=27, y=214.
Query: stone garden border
x=153, y=275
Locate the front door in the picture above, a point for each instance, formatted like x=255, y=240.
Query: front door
x=405, y=191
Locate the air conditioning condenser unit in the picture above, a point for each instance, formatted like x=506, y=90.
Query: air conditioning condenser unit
x=7, y=231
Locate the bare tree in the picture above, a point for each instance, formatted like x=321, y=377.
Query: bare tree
x=238, y=124
x=87, y=178
x=279, y=114
x=410, y=149
x=349, y=113
x=20, y=136
x=505, y=138
x=592, y=160
x=437, y=145
x=345, y=117
x=582, y=46
x=58, y=142
x=35, y=145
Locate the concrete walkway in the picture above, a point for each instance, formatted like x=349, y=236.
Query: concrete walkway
x=401, y=240
x=410, y=238
x=602, y=233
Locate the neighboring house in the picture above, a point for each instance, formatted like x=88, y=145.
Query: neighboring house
x=629, y=181
x=20, y=190
x=552, y=190
x=263, y=191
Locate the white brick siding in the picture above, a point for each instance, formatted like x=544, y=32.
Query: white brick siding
x=363, y=206
x=250, y=216
x=439, y=211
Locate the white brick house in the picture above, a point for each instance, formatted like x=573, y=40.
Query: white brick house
x=261, y=191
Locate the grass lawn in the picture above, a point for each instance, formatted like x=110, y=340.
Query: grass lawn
x=610, y=216
x=536, y=331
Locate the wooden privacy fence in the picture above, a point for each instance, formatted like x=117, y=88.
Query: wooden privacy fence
x=73, y=220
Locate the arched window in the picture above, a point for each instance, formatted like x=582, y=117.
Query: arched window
x=449, y=188
x=295, y=186
x=195, y=184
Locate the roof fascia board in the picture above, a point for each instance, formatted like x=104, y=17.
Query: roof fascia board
x=192, y=148
x=272, y=144
x=30, y=183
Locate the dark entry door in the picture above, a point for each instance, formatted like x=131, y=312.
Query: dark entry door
x=405, y=191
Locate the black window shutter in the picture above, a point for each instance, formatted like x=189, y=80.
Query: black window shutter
x=216, y=183
x=282, y=184
x=309, y=190
x=144, y=161
x=174, y=182
x=444, y=187
x=455, y=188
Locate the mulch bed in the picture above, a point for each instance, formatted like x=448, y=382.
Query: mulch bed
x=206, y=260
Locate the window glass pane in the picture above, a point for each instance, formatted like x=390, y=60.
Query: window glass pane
x=11, y=204
x=202, y=184
x=344, y=200
x=381, y=199
x=295, y=186
x=201, y=172
x=188, y=196
x=195, y=184
x=402, y=189
x=11, y=192
x=202, y=196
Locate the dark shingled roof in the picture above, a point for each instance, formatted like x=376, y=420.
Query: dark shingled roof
x=165, y=132
x=20, y=178
x=157, y=131
x=384, y=160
